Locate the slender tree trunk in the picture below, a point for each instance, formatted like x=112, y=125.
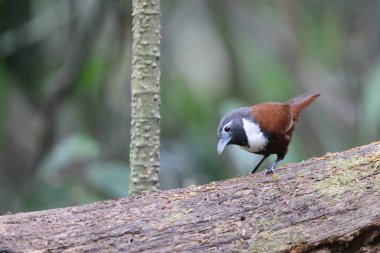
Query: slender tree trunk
x=145, y=128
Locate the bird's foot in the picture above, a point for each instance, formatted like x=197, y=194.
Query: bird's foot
x=270, y=169
x=258, y=164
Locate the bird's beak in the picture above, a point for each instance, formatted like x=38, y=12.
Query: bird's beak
x=223, y=142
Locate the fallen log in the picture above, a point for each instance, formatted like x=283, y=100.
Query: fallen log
x=327, y=204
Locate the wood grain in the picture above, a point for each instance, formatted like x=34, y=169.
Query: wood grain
x=327, y=204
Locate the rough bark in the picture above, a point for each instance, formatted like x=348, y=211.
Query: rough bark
x=145, y=131
x=327, y=204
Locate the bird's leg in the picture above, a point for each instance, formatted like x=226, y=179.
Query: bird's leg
x=272, y=167
x=259, y=163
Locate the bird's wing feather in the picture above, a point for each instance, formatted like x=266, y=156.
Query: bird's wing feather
x=273, y=118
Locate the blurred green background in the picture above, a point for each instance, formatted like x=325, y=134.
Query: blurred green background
x=65, y=69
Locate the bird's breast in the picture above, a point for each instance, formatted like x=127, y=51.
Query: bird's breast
x=257, y=141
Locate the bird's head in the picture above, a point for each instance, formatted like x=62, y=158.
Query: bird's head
x=231, y=129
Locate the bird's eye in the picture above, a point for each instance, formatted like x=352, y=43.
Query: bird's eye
x=227, y=129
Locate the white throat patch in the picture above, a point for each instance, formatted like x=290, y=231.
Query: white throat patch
x=256, y=138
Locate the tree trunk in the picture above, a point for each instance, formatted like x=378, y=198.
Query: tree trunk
x=327, y=204
x=145, y=125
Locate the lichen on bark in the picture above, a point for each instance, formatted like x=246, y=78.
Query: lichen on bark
x=145, y=90
x=325, y=204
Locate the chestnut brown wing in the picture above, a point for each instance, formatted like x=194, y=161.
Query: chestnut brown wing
x=273, y=118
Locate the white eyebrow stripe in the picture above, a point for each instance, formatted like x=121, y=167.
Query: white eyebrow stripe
x=228, y=124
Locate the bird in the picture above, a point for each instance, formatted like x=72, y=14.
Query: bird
x=264, y=129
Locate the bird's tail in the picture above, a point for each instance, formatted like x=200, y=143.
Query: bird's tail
x=297, y=104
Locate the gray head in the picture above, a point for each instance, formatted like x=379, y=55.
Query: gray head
x=231, y=129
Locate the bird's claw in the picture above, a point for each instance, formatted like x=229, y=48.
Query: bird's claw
x=269, y=170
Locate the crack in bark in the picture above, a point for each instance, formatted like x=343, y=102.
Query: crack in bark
x=245, y=214
x=365, y=239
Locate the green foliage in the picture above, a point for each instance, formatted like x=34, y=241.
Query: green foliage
x=46, y=195
x=184, y=107
x=272, y=51
x=4, y=94
x=369, y=107
x=73, y=148
x=266, y=77
x=92, y=75
x=71, y=175
x=109, y=178
x=321, y=38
